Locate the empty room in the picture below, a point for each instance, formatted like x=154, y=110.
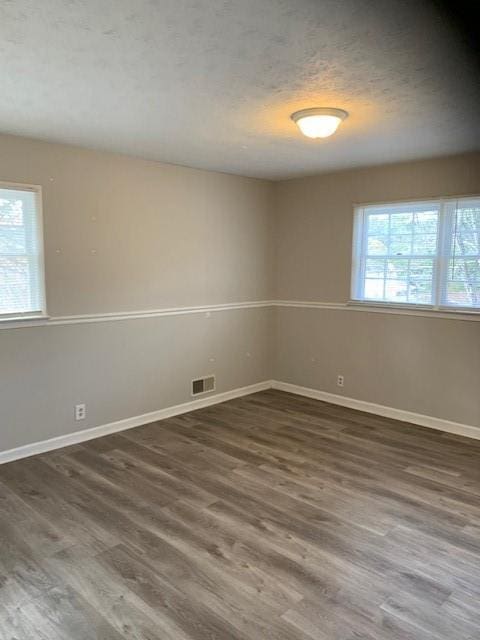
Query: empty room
x=239, y=320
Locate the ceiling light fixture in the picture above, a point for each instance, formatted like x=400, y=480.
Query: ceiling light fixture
x=318, y=122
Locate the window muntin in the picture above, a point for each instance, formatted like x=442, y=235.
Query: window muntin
x=418, y=253
x=21, y=252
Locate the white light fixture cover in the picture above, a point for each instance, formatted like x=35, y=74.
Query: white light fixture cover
x=319, y=122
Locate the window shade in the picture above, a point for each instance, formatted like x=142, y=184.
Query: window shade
x=461, y=286
x=21, y=259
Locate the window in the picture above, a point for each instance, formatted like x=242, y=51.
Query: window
x=21, y=252
x=418, y=253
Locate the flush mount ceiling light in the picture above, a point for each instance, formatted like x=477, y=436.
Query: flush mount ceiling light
x=319, y=122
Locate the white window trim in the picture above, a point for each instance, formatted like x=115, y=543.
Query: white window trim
x=357, y=274
x=41, y=314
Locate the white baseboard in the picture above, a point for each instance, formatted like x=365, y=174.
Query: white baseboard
x=136, y=421
x=128, y=423
x=381, y=410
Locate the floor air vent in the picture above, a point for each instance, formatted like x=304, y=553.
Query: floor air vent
x=203, y=385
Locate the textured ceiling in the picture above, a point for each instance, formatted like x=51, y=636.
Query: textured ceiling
x=211, y=83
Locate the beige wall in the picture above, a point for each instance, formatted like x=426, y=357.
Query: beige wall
x=314, y=220
x=122, y=369
x=428, y=366
x=168, y=236
x=425, y=365
x=163, y=236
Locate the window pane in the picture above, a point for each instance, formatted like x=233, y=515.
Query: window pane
x=468, y=269
x=401, y=245
x=397, y=268
x=467, y=216
x=425, y=244
x=396, y=291
x=401, y=223
x=21, y=289
x=467, y=243
x=11, y=209
x=463, y=294
x=378, y=224
x=426, y=222
x=462, y=287
x=12, y=240
x=377, y=246
x=14, y=284
x=374, y=289
x=421, y=269
x=420, y=292
x=375, y=268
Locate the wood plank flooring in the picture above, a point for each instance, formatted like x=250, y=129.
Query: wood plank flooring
x=267, y=517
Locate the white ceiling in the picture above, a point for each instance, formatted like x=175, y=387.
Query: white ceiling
x=211, y=83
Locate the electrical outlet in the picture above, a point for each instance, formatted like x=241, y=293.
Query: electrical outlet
x=80, y=411
x=340, y=381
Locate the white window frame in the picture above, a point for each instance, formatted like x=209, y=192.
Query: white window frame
x=36, y=189
x=441, y=257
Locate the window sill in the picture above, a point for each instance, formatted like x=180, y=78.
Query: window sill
x=23, y=320
x=415, y=310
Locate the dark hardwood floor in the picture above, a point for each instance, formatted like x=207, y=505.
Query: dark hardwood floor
x=267, y=517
